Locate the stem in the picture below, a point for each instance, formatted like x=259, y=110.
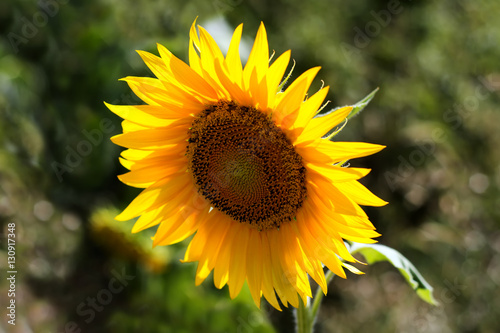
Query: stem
x=305, y=314
x=303, y=317
x=319, y=295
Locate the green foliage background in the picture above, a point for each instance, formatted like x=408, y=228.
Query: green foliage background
x=437, y=66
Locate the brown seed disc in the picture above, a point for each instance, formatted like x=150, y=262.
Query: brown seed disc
x=245, y=166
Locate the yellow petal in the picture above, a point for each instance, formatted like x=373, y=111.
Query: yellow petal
x=209, y=253
x=221, y=270
x=232, y=62
x=152, y=217
x=289, y=105
x=286, y=291
x=155, y=64
x=144, y=115
x=254, y=265
x=337, y=174
x=341, y=203
x=267, y=275
x=151, y=138
x=352, y=269
x=128, y=126
x=360, y=194
x=181, y=227
x=234, y=89
x=291, y=259
x=311, y=265
x=337, y=227
x=186, y=76
x=203, y=235
x=258, y=60
x=154, y=196
x=135, y=154
x=325, y=151
x=126, y=164
x=319, y=126
x=315, y=244
x=148, y=219
x=156, y=92
x=194, y=42
x=150, y=174
x=193, y=35
x=275, y=75
x=291, y=100
x=310, y=107
x=171, y=154
x=210, y=54
x=237, y=261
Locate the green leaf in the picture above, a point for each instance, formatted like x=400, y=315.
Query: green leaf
x=359, y=106
x=375, y=252
x=356, y=108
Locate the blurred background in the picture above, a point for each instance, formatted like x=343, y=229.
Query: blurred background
x=79, y=270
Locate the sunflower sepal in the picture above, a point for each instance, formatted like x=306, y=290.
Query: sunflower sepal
x=374, y=253
x=359, y=106
x=285, y=80
x=356, y=109
x=335, y=131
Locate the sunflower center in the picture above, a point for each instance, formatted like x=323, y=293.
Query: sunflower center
x=245, y=166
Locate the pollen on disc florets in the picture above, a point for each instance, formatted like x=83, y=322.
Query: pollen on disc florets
x=245, y=166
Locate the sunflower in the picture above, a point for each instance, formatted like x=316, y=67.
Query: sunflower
x=225, y=153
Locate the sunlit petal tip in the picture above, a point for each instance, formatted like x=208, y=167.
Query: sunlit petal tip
x=198, y=281
x=143, y=54
x=110, y=106
x=193, y=34
x=122, y=218
x=115, y=138
x=155, y=244
x=377, y=148
x=262, y=30
x=162, y=48
x=287, y=54
x=352, y=269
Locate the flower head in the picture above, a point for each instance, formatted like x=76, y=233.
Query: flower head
x=224, y=154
